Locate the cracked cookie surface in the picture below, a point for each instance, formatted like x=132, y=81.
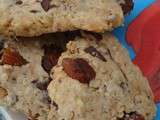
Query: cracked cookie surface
x=96, y=80
x=36, y=17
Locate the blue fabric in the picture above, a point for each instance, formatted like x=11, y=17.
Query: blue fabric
x=158, y=112
x=120, y=32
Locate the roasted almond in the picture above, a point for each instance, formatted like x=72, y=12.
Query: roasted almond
x=3, y=92
x=12, y=57
x=78, y=69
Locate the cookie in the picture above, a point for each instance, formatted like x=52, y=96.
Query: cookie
x=25, y=64
x=36, y=17
x=23, y=80
x=96, y=80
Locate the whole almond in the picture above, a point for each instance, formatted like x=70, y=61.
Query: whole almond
x=12, y=57
x=78, y=69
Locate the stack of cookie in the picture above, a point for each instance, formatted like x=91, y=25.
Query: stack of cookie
x=57, y=62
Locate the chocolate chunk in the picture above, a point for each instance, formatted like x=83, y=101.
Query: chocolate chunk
x=51, y=56
x=41, y=85
x=132, y=116
x=46, y=5
x=95, y=53
x=123, y=85
x=1, y=44
x=19, y=2
x=78, y=69
x=127, y=6
x=34, y=11
x=55, y=105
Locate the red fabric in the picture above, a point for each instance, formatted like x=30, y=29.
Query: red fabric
x=144, y=35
